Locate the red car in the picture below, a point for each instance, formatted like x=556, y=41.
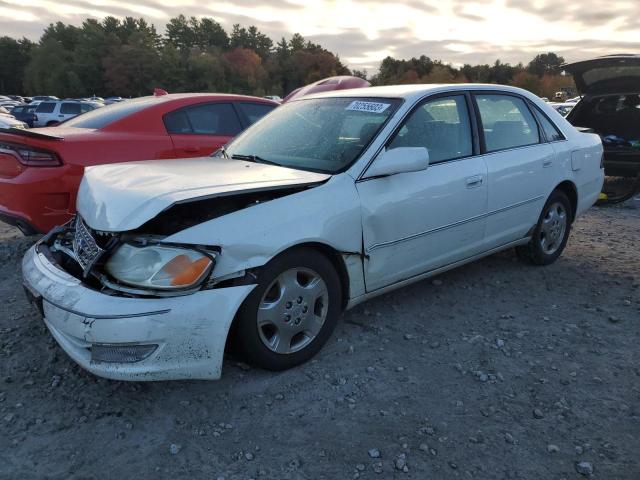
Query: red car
x=41, y=169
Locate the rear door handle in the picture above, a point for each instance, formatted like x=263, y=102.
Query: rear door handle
x=547, y=163
x=474, y=181
x=190, y=149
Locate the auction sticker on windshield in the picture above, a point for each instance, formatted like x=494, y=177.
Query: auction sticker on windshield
x=372, y=107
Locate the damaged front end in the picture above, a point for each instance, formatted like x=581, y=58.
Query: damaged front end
x=128, y=264
x=140, y=262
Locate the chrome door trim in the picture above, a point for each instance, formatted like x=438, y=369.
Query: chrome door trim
x=451, y=225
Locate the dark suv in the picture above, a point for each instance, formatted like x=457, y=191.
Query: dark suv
x=26, y=114
x=611, y=107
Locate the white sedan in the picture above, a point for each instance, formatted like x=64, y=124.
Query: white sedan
x=9, y=121
x=326, y=202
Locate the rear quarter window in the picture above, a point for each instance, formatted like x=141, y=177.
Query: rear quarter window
x=551, y=132
x=70, y=108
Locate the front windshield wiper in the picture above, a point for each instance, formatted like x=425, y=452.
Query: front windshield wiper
x=253, y=158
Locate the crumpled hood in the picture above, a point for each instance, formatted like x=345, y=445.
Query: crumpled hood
x=123, y=196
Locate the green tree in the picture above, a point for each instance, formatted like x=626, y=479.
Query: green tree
x=131, y=69
x=206, y=72
x=180, y=33
x=208, y=33
x=15, y=55
x=50, y=71
x=545, y=63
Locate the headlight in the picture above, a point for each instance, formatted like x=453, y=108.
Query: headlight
x=159, y=267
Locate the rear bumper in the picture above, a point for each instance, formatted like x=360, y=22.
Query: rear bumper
x=39, y=198
x=621, y=163
x=189, y=332
x=19, y=222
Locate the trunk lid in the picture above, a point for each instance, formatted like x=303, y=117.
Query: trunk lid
x=121, y=197
x=606, y=75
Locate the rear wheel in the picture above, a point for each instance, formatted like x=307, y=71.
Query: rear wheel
x=551, y=233
x=292, y=312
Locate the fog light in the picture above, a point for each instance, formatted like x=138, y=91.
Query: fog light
x=120, y=353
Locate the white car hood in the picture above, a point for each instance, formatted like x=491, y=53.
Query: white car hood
x=8, y=121
x=123, y=196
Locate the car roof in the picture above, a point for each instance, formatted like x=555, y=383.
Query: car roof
x=230, y=96
x=415, y=92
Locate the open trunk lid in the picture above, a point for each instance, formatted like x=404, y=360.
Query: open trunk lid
x=606, y=75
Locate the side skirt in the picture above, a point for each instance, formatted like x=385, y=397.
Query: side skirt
x=381, y=291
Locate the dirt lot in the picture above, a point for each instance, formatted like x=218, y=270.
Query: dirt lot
x=495, y=370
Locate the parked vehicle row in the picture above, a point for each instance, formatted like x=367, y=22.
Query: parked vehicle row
x=327, y=201
x=40, y=169
x=53, y=112
x=7, y=120
x=39, y=192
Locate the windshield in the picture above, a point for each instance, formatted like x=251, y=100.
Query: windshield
x=322, y=134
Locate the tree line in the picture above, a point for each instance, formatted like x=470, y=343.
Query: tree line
x=129, y=58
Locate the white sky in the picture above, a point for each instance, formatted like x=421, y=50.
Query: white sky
x=364, y=32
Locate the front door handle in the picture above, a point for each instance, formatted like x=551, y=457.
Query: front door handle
x=190, y=149
x=474, y=181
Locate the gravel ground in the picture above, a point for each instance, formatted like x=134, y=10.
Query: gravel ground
x=495, y=370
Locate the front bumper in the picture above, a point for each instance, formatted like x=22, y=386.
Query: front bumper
x=190, y=331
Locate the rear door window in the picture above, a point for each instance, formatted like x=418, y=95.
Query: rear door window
x=70, y=108
x=208, y=119
x=507, y=122
x=46, y=107
x=254, y=111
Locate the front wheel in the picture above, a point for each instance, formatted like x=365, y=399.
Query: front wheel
x=292, y=312
x=551, y=233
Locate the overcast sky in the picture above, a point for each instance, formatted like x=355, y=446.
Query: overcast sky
x=364, y=32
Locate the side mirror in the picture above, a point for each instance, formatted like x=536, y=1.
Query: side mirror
x=399, y=160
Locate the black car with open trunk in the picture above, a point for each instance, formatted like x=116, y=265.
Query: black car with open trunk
x=610, y=106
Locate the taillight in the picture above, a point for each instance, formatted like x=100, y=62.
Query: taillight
x=31, y=157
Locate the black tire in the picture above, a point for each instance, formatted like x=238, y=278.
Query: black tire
x=534, y=252
x=248, y=337
x=52, y=124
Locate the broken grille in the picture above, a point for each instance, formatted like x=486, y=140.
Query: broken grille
x=85, y=249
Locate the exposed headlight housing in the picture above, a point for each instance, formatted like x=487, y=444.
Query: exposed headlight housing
x=160, y=267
